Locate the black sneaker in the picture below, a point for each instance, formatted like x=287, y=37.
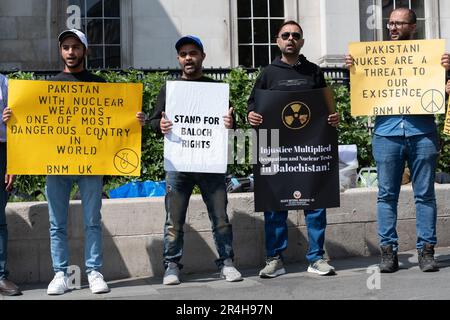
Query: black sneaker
x=426, y=258
x=389, y=259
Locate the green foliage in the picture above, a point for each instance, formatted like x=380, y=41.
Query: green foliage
x=444, y=155
x=241, y=84
x=28, y=188
x=353, y=130
x=20, y=75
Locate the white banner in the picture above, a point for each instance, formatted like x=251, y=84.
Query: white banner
x=198, y=141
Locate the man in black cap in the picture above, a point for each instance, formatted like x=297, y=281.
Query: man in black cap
x=180, y=184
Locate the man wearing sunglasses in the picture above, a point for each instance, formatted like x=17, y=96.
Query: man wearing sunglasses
x=291, y=72
x=397, y=139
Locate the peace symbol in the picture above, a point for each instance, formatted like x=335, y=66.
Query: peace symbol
x=432, y=101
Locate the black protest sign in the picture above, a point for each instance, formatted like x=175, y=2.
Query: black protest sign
x=297, y=166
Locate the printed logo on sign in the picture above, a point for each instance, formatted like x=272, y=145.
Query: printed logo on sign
x=432, y=101
x=296, y=115
x=126, y=161
x=297, y=194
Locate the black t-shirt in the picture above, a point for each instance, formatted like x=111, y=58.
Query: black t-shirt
x=83, y=76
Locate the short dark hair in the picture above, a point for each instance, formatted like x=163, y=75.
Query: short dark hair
x=290, y=22
x=412, y=17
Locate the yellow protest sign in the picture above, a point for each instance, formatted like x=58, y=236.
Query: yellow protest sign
x=80, y=128
x=397, y=77
x=447, y=120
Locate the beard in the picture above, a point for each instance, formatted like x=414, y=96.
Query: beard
x=290, y=52
x=402, y=36
x=78, y=62
x=191, y=68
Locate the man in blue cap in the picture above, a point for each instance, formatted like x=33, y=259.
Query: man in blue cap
x=189, y=40
x=180, y=184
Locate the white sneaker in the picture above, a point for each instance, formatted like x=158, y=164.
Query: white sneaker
x=96, y=282
x=229, y=272
x=172, y=274
x=59, y=284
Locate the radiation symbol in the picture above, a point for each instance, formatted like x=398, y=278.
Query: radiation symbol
x=296, y=115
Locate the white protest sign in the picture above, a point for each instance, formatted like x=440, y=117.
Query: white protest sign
x=198, y=141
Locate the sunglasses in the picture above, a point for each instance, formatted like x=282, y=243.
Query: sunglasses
x=295, y=35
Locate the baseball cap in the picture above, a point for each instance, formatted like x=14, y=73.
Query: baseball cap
x=189, y=39
x=74, y=33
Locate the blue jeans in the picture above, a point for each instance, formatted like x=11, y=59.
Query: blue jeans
x=3, y=227
x=390, y=154
x=276, y=232
x=179, y=190
x=57, y=190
